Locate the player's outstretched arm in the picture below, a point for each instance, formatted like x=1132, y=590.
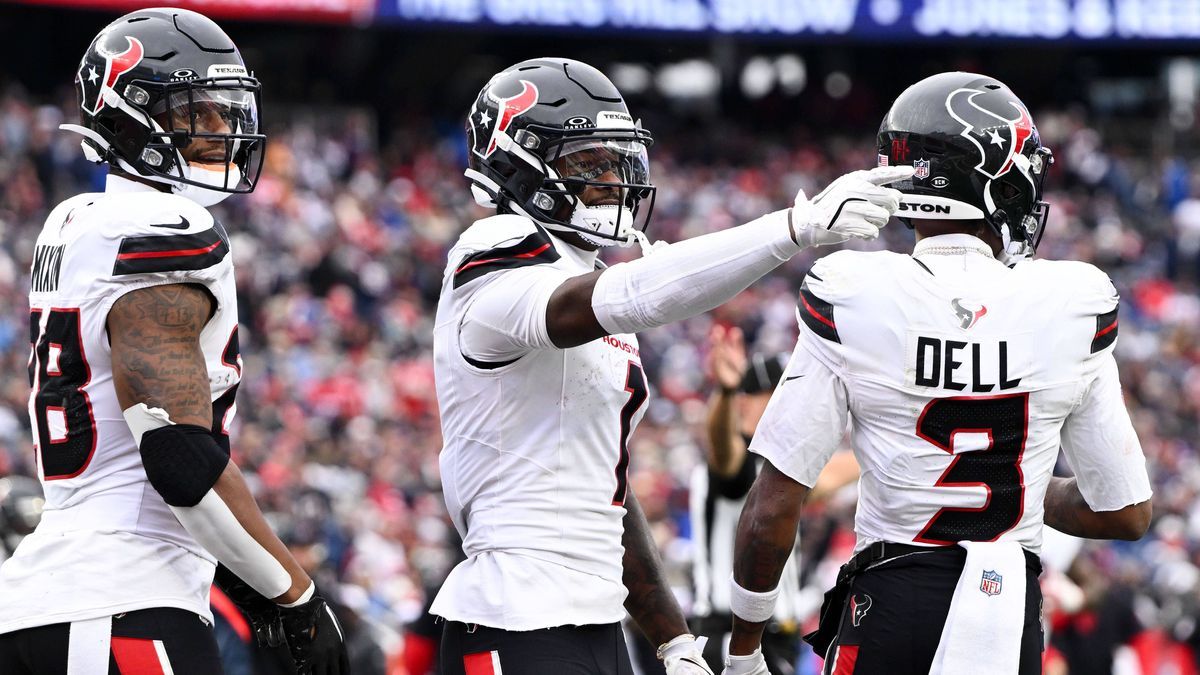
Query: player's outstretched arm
x=693, y=276
x=766, y=535
x=162, y=384
x=1068, y=512
x=650, y=601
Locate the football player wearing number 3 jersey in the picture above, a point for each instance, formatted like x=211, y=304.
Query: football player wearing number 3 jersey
x=961, y=370
x=134, y=368
x=539, y=378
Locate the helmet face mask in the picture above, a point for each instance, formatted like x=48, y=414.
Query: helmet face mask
x=165, y=96
x=200, y=128
x=977, y=155
x=552, y=140
x=597, y=183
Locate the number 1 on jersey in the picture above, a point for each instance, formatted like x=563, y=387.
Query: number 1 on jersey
x=635, y=384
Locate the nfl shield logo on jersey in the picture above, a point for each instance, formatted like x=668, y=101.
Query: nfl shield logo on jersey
x=991, y=583
x=921, y=169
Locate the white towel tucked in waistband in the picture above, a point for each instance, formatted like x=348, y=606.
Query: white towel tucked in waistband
x=982, y=635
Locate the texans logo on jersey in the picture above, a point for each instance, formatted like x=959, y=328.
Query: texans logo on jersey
x=996, y=124
x=95, y=74
x=968, y=316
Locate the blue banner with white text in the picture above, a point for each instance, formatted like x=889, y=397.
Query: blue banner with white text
x=871, y=20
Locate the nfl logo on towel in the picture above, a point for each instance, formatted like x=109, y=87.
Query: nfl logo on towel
x=921, y=167
x=991, y=583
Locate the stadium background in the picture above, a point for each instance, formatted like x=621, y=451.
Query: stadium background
x=340, y=250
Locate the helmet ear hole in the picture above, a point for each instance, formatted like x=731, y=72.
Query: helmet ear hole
x=127, y=138
x=1008, y=191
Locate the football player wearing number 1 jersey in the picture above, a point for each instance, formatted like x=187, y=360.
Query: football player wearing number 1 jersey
x=539, y=378
x=134, y=366
x=961, y=370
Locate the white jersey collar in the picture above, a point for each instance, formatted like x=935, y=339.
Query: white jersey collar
x=584, y=257
x=114, y=183
x=955, y=243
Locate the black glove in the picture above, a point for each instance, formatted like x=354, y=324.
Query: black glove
x=262, y=612
x=314, y=637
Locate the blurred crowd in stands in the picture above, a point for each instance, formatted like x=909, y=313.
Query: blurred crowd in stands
x=339, y=256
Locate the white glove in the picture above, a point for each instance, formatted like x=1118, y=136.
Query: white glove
x=752, y=664
x=855, y=205
x=683, y=655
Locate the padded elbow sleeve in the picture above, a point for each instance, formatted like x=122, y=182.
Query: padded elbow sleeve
x=183, y=462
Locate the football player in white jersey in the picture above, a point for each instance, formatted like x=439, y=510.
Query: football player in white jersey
x=134, y=365
x=961, y=370
x=539, y=378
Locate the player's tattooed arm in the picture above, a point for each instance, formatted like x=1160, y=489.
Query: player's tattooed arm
x=1068, y=512
x=766, y=535
x=154, y=334
x=650, y=601
x=156, y=359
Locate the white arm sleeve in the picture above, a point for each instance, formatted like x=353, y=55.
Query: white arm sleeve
x=805, y=420
x=218, y=530
x=214, y=526
x=1102, y=446
x=507, y=318
x=690, y=277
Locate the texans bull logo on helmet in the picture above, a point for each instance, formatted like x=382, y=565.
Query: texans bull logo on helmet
x=94, y=77
x=508, y=109
x=994, y=123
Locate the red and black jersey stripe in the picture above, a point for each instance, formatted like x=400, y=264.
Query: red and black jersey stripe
x=1106, y=330
x=170, y=252
x=534, y=249
x=817, y=314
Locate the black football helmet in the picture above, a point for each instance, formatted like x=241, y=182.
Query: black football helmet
x=156, y=80
x=545, y=130
x=976, y=154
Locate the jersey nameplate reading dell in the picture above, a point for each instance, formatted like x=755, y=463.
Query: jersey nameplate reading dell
x=977, y=366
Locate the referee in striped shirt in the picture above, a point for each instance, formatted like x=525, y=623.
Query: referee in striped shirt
x=718, y=492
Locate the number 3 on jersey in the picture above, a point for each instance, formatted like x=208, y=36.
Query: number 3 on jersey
x=1005, y=420
x=635, y=384
x=64, y=427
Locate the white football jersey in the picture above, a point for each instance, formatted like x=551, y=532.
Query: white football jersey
x=107, y=543
x=961, y=379
x=535, y=457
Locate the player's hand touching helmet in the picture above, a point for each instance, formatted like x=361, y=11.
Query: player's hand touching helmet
x=751, y=664
x=683, y=655
x=314, y=638
x=855, y=206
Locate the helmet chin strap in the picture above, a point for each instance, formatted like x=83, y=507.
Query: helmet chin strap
x=1012, y=251
x=603, y=218
x=217, y=179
